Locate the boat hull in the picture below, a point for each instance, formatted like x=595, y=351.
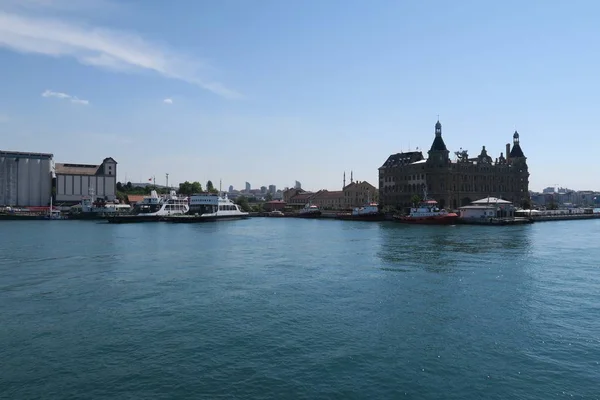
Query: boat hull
x=130, y=219
x=316, y=214
x=436, y=220
x=368, y=217
x=199, y=219
x=17, y=217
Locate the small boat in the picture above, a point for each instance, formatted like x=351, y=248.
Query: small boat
x=153, y=208
x=54, y=214
x=276, y=213
x=99, y=209
x=209, y=207
x=368, y=212
x=428, y=212
x=309, y=211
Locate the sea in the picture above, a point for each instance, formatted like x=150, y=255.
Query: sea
x=280, y=308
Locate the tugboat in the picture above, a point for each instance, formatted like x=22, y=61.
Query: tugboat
x=428, y=212
x=368, y=212
x=153, y=208
x=90, y=209
x=209, y=207
x=309, y=211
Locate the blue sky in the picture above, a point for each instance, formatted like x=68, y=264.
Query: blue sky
x=276, y=91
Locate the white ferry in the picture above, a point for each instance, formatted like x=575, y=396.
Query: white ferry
x=154, y=208
x=210, y=207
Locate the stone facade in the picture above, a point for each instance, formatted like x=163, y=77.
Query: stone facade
x=454, y=183
x=356, y=194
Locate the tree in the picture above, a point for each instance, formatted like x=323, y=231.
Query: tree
x=210, y=187
x=526, y=204
x=242, y=201
x=189, y=188
x=269, y=197
x=119, y=187
x=196, y=187
x=416, y=199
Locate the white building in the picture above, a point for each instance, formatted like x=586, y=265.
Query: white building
x=490, y=207
x=75, y=180
x=25, y=178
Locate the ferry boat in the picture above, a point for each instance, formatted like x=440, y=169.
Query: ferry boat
x=154, y=208
x=428, y=212
x=309, y=211
x=368, y=212
x=208, y=207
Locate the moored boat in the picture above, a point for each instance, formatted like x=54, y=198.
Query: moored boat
x=309, y=211
x=99, y=209
x=368, y=212
x=153, y=208
x=209, y=207
x=428, y=212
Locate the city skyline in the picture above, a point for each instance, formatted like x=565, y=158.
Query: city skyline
x=99, y=78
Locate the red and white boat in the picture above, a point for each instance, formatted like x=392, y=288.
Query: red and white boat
x=428, y=212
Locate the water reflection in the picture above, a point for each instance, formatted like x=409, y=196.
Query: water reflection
x=443, y=248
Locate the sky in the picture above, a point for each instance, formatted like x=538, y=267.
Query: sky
x=274, y=91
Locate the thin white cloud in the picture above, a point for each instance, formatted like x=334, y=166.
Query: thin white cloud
x=102, y=48
x=59, y=95
x=168, y=101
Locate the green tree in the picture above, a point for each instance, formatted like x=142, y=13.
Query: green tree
x=269, y=197
x=189, y=188
x=416, y=199
x=242, y=201
x=210, y=188
x=196, y=187
x=526, y=204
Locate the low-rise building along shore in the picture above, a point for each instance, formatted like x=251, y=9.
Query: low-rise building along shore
x=355, y=194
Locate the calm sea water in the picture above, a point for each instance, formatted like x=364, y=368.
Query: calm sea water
x=286, y=308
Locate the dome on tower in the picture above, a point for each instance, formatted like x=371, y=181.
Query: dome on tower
x=438, y=125
x=516, y=135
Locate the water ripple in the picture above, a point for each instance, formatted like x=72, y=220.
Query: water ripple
x=284, y=308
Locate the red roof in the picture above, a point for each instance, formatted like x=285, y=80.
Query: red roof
x=134, y=198
x=325, y=194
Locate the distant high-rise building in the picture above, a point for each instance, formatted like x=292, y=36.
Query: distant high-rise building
x=263, y=189
x=230, y=188
x=298, y=185
x=272, y=189
x=248, y=186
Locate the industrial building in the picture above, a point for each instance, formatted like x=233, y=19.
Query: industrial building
x=25, y=178
x=73, y=181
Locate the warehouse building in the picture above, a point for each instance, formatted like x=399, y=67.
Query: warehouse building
x=25, y=178
x=73, y=181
